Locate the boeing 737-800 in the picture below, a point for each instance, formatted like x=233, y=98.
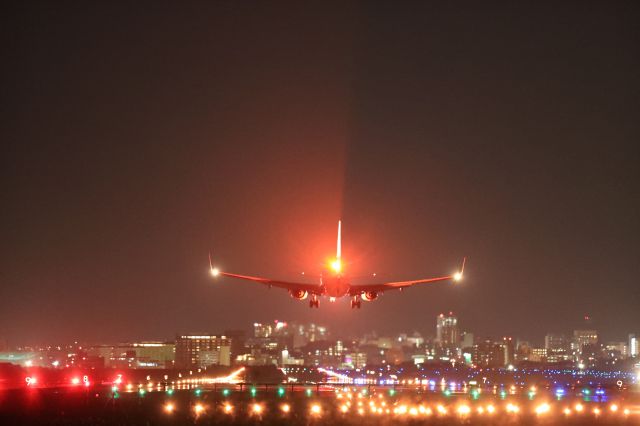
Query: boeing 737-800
x=334, y=283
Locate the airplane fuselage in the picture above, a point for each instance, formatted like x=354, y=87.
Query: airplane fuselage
x=335, y=285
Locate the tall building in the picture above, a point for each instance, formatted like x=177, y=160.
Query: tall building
x=508, y=346
x=633, y=346
x=447, y=334
x=202, y=351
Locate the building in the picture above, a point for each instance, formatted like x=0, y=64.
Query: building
x=538, y=355
x=261, y=330
x=467, y=340
x=508, y=346
x=581, y=339
x=633, y=346
x=558, y=348
x=202, y=350
x=447, y=334
x=489, y=354
x=355, y=360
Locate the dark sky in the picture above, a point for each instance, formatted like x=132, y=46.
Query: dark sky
x=136, y=137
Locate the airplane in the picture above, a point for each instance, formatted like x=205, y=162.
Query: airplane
x=334, y=283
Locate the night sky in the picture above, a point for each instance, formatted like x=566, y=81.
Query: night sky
x=137, y=137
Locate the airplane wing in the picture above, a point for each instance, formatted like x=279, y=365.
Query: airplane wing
x=395, y=285
x=291, y=286
x=398, y=285
x=287, y=285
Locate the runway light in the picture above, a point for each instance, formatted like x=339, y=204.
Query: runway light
x=225, y=392
x=316, y=409
x=253, y=392
x=596, y=411
x=613, y=408
x=579, y=407
x=543, y=409
x=256, y=409
x=491, y=409
x=512, y=408
x=228, y=408
x=141, y=392
x=441, y=409
x=169, y=408
x=198, y=408
x=567, y=411
x=464, y=410
x=285, y=408
x=281, y=392
x=626, y=411
x=344, y=408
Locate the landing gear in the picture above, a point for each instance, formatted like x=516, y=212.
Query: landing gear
x=314, y=302
x=355, y=302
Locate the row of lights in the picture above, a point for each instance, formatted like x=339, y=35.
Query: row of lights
x=403, y=410
x=255, y=409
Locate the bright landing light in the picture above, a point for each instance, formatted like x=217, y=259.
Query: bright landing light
x=457, y=276
x=336, y=265
x=215, y=272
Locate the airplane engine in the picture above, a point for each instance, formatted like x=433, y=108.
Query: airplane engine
x=298, y=294
x=369, y=296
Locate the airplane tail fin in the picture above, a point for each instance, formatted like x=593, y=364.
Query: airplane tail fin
x=339, y=243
